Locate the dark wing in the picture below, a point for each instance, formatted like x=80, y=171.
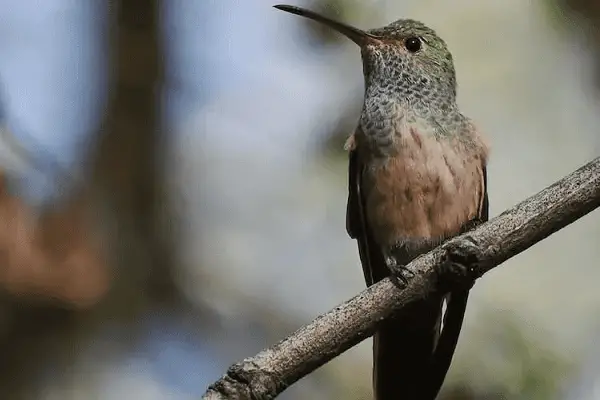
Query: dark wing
x=356, y=223
x=485, y=209
x=455, y=311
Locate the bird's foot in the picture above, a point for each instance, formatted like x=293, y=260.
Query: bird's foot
x=398, y=272
x=457, y=269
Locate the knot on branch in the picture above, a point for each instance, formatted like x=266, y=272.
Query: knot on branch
x=459, y=260
x=246, y=381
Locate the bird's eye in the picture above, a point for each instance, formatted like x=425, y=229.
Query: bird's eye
x=413, y=44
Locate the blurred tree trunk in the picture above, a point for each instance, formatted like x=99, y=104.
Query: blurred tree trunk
x=128, y=161
x=126, y=176
x=589, y=9
x=588, y=13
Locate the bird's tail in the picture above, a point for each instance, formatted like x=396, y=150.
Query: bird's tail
x=410, y=358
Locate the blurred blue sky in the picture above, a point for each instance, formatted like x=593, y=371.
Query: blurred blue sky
x=51, y=79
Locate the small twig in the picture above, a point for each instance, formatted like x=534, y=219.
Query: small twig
x=271, y=371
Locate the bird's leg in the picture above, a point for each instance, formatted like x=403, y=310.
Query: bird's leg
x=398, y=271
x=402, y=253
x=458, y=262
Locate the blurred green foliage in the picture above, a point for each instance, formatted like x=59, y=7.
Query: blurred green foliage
x=540, y=371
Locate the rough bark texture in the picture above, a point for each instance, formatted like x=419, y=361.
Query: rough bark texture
x=270, y=372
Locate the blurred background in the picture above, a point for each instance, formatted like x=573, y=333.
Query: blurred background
x=173, y=192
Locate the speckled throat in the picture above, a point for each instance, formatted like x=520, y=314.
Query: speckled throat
x=388, y=113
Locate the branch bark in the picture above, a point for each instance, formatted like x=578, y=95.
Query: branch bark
x=271, y=371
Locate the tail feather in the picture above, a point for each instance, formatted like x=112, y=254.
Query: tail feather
x=403, y=349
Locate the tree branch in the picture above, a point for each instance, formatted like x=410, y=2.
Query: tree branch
x=271, y=371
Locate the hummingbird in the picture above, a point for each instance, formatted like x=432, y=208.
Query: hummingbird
x=417, y=176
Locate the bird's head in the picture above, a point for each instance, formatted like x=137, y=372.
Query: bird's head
x=405, y=58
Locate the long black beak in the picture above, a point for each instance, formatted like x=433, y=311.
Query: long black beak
x=358, y=36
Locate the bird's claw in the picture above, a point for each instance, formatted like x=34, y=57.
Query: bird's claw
x=457, y=269
x=399, y=272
